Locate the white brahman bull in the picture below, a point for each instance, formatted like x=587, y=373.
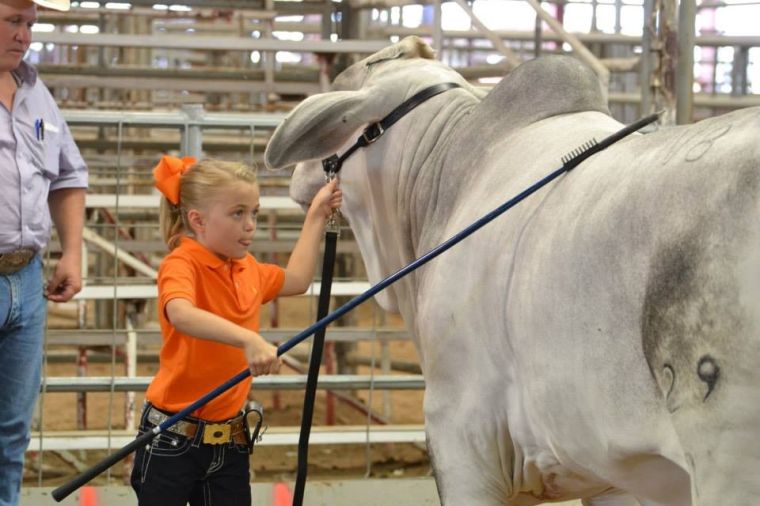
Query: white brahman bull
x=602, y=339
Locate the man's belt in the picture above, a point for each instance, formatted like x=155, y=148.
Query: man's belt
x=213, y=433
x=14, y=261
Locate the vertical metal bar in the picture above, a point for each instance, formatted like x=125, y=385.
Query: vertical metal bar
x=253, y=145
x=82, y=396
x=326, y=21
x=646, y=66
x=192, y=135
x=437, y=30
x=385, y=368
x=102, y=94
x=687, y=13
x=329, y=361
x=115, y=306
x=667, y=47
x=130, y=363
x=739, y=85
x=81, y=406
x=130, y=366
x=714, y=73
x=268, y=58
x=367, y=446
x=361, y=22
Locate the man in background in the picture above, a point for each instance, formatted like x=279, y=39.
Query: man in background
x=42, y=176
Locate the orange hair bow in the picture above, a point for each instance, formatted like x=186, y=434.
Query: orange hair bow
x=167, y=175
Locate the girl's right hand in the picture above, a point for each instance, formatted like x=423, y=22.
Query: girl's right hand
x=261, y=356
x=329, y=197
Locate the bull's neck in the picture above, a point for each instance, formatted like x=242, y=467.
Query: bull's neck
x=416, y=189
x=433, y=184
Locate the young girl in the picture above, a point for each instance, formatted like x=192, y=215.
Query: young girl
x=210, y=289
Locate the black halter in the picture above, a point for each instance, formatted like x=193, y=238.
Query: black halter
x=334, y=163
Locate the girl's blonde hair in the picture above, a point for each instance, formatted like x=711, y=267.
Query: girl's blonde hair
x=197, y=185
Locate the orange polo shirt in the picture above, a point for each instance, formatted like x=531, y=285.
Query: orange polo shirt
x=190, y=367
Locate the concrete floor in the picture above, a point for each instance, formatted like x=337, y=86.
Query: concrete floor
x=376, y=492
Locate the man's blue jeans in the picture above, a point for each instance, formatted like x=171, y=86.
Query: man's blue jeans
x=22, y=327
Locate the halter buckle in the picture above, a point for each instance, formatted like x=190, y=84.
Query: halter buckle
x=331, y=164
x=372, y=133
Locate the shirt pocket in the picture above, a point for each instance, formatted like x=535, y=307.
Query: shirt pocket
x=44, y=145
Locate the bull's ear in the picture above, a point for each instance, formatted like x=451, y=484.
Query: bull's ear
x=320, y=125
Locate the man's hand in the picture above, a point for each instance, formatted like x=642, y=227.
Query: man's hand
x=66, y=281
x=67, y=211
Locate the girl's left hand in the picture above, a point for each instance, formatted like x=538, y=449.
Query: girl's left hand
x=329, y=197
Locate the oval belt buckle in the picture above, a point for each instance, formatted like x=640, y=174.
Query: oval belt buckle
x=216, y=433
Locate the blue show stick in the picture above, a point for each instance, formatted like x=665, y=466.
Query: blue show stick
x=64, y=490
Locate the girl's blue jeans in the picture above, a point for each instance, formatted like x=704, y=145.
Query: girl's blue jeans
x=22, y=327
x=176, y=470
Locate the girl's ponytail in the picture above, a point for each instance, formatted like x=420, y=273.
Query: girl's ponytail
x=170, y=223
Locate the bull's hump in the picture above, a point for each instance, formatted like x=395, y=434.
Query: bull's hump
x=544, y=87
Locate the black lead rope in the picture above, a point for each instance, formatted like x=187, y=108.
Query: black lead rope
x=328, y=264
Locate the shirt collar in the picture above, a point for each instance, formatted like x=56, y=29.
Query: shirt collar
x=26, y=73
x=208, y=257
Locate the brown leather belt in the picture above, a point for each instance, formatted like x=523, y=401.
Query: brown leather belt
x=14, y=261
x=213, y=433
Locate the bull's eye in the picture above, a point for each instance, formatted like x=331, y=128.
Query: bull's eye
x=709, y=372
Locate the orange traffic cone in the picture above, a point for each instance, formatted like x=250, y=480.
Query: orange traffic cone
x=88, y=496
x=281, y=495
